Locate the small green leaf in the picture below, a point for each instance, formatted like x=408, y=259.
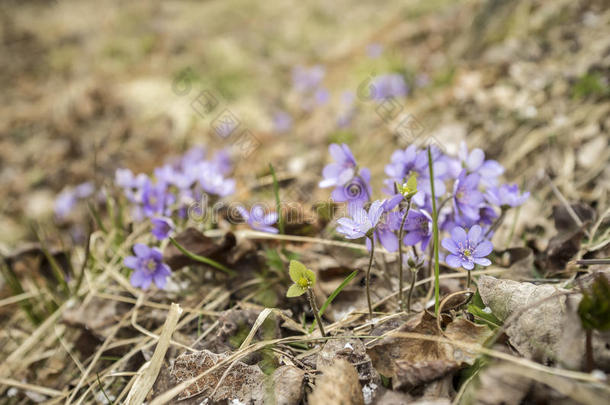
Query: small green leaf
x=295, y=290
x=298, y=273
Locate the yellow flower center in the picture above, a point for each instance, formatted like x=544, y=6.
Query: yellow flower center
x=151, y=265
x=303, y=282
x=467, y=252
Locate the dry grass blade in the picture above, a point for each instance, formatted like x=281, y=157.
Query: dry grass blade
x=144, y=381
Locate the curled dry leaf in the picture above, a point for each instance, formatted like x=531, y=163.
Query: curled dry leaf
x=547, y=328
x=196, y=242
x=242, y=382
x=287, y=385
x=338, y=384
x=351, y=350
x=412, y=362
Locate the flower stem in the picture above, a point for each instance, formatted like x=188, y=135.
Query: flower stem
x=413, y=279
x=468, y=271
x=368, y=279
x=401, y=302
x=435, y=230
x=314, y=308
x=497, y=223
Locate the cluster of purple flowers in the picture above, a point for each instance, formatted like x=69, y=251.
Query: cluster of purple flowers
x=177, y=184
x=469, y=201
x=165, y=196
x=308, y=82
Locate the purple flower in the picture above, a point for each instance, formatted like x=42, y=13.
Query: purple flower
x=418, y=228
x=307, y=79
x=388, y=86
x=64, y=203
x=162, y=226
x=466, y=250
x=156, y=199
x=474, y=162
x=404, y=162
x=362, y=223
x=147, y=267
x=342, y=170
x=506, y=196
x=282, y=122
x=257, y=219
x=356, y=192
x=385, y=230
x=84, y=190
x=374, y=50
x=466, y=196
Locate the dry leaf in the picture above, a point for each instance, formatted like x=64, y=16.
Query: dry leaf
x=196, y=242
x=413, y=362
x=354, y=352
x=547, y=330
x=287, y=385
x=338, y=384
x=242, y=382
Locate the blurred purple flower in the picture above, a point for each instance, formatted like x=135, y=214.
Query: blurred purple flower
x=307, y=79
x=84, y=190
x=257, y=219
x=156, y=199
x=64, y=203
x=342, y=170
x=374, y=50
x=466, y=196
x=362, y=222
x=418, y=228
x=147, y=267
x=162, y=226
x=507, y=195
x=466, y=250
x=388, y=86
x=282, y=122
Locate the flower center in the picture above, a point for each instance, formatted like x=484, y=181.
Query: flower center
x=303, y=282
x=467, y=252
x=151, y=266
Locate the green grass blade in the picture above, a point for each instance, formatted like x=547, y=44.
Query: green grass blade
x=202, y=259
x=332, y=296
x=435, y=230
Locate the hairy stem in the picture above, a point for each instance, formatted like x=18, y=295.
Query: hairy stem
x=401, y=302
x=413, y=279
x=496, y=223
x=314, y=308
x=368, y=279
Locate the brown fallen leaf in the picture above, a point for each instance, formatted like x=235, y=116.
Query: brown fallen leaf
x=412, y=362
x=242, y=382
x=287, y=384
x=547, y=328
x=196, y=242
x=338, y=384
x=97, y=315
x=353, y=351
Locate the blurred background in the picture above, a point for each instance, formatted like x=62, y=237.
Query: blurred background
x=92, y=86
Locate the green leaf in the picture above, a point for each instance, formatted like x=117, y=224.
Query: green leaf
x=412, y=183
x=298, y=272
x=295, y=290
x=594, y=308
